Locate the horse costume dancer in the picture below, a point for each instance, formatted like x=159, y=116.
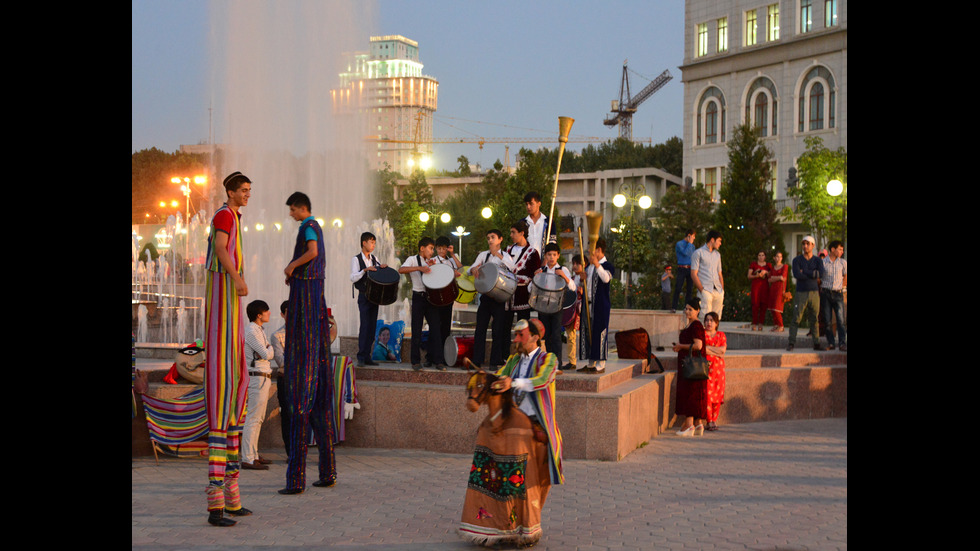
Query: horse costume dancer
x=518, y=455
x=308, y=374
x=226, y=379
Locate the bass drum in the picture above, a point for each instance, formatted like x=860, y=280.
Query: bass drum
x=547, y=293
x=569, y=307
x=457, y=348
x=381, y=287
x=496, y=282
x=440, y=285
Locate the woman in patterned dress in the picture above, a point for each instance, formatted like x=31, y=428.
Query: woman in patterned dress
x=715, y=345
x=759, y=275
x=777, y=286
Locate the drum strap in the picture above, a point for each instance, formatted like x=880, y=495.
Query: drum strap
x=359, y=284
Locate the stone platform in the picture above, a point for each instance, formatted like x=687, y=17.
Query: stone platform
x=602, y=416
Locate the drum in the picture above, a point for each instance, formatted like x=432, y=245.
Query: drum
x=547, y=293
x=466, y=292
x=440, y=284
x=496, y=282
x=457, y=348
x=569, y=307
x=381, y=287
x=190, y=364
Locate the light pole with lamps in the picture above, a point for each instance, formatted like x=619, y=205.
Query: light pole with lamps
x=185, y=187
x=425, y=215
x=835, y=188
x=634, y=194
x=460, y=232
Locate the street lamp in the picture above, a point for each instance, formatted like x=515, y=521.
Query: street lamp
x=460, y=232
x=487, y=212
x=835, y=188
x=425, y=215
x=632, y=193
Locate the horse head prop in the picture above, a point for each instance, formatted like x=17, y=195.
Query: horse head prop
x=479, y=391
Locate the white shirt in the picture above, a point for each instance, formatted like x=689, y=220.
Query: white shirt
x=571, y=280
x=485, y=257
x=450, y=261
x=356, y=273
x=258, y=351
x=535, y=232
x=415, y=277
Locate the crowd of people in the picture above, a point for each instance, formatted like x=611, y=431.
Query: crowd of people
x=239, y=358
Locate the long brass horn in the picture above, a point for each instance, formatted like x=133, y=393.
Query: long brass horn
x=564, y=127
x=594, y=220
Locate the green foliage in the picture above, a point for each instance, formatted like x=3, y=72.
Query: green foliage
x=746, y=215
x=680, y=209
x=816, y=209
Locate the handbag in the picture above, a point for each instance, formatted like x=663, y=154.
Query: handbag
x=695, y=368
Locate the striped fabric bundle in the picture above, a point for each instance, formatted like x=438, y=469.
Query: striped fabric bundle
x=345, y=392
x=176, y=421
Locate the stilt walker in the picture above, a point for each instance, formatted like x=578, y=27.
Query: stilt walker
x=226, y=379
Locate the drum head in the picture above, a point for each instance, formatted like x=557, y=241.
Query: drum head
x=439, y=277
x=549, y=282
x=465, y=284
x=570, y=299
x=487, y=278
x=384, y=276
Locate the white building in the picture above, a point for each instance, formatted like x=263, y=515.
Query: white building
x=780, y=65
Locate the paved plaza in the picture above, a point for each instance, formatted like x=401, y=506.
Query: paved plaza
x=759, y=486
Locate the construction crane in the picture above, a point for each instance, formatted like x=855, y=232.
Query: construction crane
x=626, y=105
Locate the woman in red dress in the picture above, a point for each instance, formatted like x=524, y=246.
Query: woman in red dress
x=777, y=286
x=715, y=345
x=692, y=396
x=759, y=274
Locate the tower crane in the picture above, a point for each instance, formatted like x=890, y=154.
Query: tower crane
x=626, y=105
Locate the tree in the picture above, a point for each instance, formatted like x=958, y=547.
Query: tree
x=152, y=171
x=681, y=209
x=746, y=214
x=631, y=249
x=819, y=212
x=464, y=166
x=404, y=216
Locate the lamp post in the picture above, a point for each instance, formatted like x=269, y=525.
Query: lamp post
x=835, y=188
x=460, y=232
x=425, y=215
x=185, y=188
x=634, y=194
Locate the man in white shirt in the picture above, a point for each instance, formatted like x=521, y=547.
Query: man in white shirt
x=422, y=309
x=537, y=223
x=361, y=264
x=258, y=352
x=491, y=308
x=832, y=288
x=706, y=273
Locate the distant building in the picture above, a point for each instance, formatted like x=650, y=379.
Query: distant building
x=386, y=85
x=780, y=65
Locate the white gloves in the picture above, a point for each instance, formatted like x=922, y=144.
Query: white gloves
x=349, y=410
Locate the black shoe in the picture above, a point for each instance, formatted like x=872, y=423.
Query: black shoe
x=441, y=367
x=829, y=347
x=216, y=518
x=568, y=367
x=240, y=512
x=324, y=483
x=819, y=346
x=417, y=367
x=290, y=491
x=790, y=348
x=427, y=364
x=370, y=362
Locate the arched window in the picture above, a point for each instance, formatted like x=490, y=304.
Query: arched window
x=817, y=101
x=761, y=106
x=711, y=117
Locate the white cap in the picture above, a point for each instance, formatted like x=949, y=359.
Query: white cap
x=810, y=239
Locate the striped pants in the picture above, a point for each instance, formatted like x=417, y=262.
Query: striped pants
x=225, y=388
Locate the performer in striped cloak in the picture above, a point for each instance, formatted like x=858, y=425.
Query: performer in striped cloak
x=308, y=374
x=226, y=378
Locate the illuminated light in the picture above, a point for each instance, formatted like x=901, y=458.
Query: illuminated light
x=646, y=202
x=259, y=227
x=486, y=212
x=175, y=180
x=424, y=216
x=835, y=188
x=619, y=200
x=278, y=226
x=174, y=203
x=445, y=218
x=163, y=204
x=200, y=179
x=425, y=163
x=337, y=223
x=322, y=222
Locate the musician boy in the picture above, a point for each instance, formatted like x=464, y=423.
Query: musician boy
x=552, y=322
x=490, y=308
x=526, y=261
x=537, y=223
x=361, y=264
x=445, y=255
x=422, y=310
x=595, y=322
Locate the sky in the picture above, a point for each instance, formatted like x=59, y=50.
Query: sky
x=506, y=69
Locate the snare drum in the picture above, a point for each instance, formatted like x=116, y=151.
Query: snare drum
x=569, y=307
x=440, y=284
x=381, y=286
x=457, y=348
x=496, y=282
x=466, y=292
x=547, y=293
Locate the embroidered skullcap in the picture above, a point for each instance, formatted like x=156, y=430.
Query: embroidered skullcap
x=533, y=325
x=233, y=179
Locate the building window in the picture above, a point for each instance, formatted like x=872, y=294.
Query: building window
x=711, y=117
x=711, y=183
x=723, y=34
x=702, y=39
x=761, y=106
x=830, y=13
x=806, y=13
x=751, y=28
x=762, y=114
x=772, y=23
x=817, y=101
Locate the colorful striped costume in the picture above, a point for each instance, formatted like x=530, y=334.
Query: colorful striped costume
x=345, y=392
x=543, y=400
x=226, y=376
x=308, y=374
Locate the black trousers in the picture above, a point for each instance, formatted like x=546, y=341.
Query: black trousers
x=491, y=310
x=365, y=333
x=552, y=333
x=422, y=310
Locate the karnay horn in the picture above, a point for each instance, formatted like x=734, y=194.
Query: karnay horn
x=564, y=127
x=594, y=220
